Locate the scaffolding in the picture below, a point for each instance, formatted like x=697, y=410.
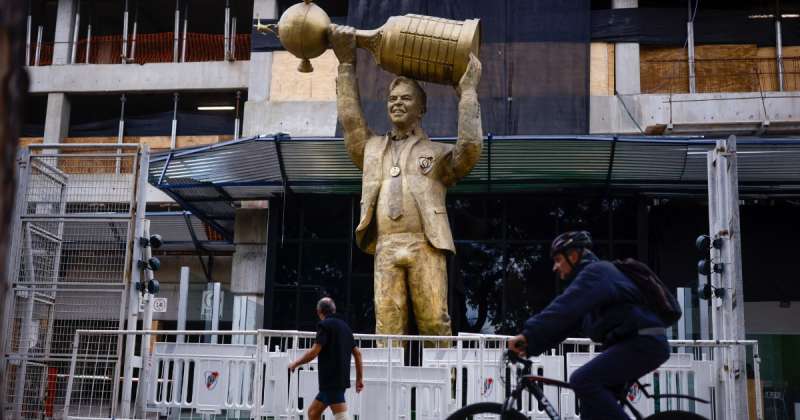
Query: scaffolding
x=71, y=252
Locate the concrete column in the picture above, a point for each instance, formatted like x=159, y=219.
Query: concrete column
x=261, y=62
x=626, y=58
x=56, y=123
x=255, y=107
x=65, y=26
x=249, y=266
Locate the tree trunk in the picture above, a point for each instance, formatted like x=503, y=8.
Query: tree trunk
x=13, y=88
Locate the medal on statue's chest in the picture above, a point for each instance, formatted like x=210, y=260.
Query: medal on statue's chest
x=395, y=171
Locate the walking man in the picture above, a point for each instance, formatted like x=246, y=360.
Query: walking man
x=334, y=345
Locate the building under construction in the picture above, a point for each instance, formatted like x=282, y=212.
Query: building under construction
x=180, y=119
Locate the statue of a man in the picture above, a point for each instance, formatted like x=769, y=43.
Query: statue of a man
x=405, y=178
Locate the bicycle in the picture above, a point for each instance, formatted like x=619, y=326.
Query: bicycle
x=531, y=383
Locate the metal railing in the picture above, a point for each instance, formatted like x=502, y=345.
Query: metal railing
x=183, y=374
x=145, y=48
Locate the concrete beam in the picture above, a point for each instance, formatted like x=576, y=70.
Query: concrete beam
x=56, y=122
x=65, y=26
x=697, y=113
x=298, y=119
x=169, y=77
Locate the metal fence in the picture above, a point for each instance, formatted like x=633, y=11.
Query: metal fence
x=73, y=231
x=184, y=375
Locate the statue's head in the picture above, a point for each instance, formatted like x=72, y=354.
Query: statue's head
x=406, y=103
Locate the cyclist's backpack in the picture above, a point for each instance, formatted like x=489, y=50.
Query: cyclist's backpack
x=657, y=296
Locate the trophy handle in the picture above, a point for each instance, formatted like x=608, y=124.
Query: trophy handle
x=271, y=28
x=370, y=40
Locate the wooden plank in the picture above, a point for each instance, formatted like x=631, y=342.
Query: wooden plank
x=601, y=69
x=791, y=68
x=663, y=69
x=27, y=141
x=288, y=84
x=727, y=68
x=718, y=68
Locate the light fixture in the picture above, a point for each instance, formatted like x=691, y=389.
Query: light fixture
x=216, y=108
x=771, y=16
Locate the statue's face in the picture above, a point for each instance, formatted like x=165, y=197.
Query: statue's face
x=404, y=106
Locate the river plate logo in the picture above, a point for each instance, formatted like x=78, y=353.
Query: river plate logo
x=487, y=386
x=212, y=378
x=634, y=393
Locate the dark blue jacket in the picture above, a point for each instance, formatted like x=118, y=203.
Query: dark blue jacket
x=601, y=302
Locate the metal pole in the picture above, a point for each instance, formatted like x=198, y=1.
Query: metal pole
x=227, y=29
x=133, y=293
x=236, y=120
x=185, y=29
x=215, y=311
x=88, y=41
x=232, y=48
x=71, y=376
x=120, y=130
x=690, y=43
x=779, y=50
x=124, y=55
x=135, y=30
x=172, y=140
x=258, y=377
x=25, y=343
x=728, y=311
x=757, y=380
x=143, y=387
x=183, y=303
x=75, y=33
x=38, y=46
x=28, y=38
x=177, y=31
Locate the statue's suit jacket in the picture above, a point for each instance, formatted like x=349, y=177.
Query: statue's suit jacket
x=428, y=184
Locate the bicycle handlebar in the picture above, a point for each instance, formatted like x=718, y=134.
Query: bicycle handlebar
x=513, y=357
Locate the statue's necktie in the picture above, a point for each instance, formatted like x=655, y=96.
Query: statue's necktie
x=396, y=180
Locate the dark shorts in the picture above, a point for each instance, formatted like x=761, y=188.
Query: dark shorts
x=331, y=397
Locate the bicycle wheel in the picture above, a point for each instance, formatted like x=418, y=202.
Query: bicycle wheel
x=484, y=410
x=675, y=415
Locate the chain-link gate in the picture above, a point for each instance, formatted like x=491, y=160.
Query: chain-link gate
x=71, y=268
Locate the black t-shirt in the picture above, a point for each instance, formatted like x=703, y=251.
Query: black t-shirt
x=337, y=342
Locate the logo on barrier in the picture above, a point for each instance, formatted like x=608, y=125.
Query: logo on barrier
x=634, y=393
x=487, y=386
x=212, y=378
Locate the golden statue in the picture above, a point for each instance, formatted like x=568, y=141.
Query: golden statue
x=405, y=175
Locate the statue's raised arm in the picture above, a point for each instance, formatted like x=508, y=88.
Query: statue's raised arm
x=468, y=147
x=348, y=101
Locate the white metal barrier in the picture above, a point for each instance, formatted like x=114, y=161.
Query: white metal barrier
x=427, y=378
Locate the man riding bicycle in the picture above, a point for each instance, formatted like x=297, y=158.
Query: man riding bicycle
x=607, y=307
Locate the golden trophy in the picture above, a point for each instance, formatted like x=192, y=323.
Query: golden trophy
x=420, y=47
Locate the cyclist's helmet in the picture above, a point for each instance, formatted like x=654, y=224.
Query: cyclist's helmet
x=570, y=240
